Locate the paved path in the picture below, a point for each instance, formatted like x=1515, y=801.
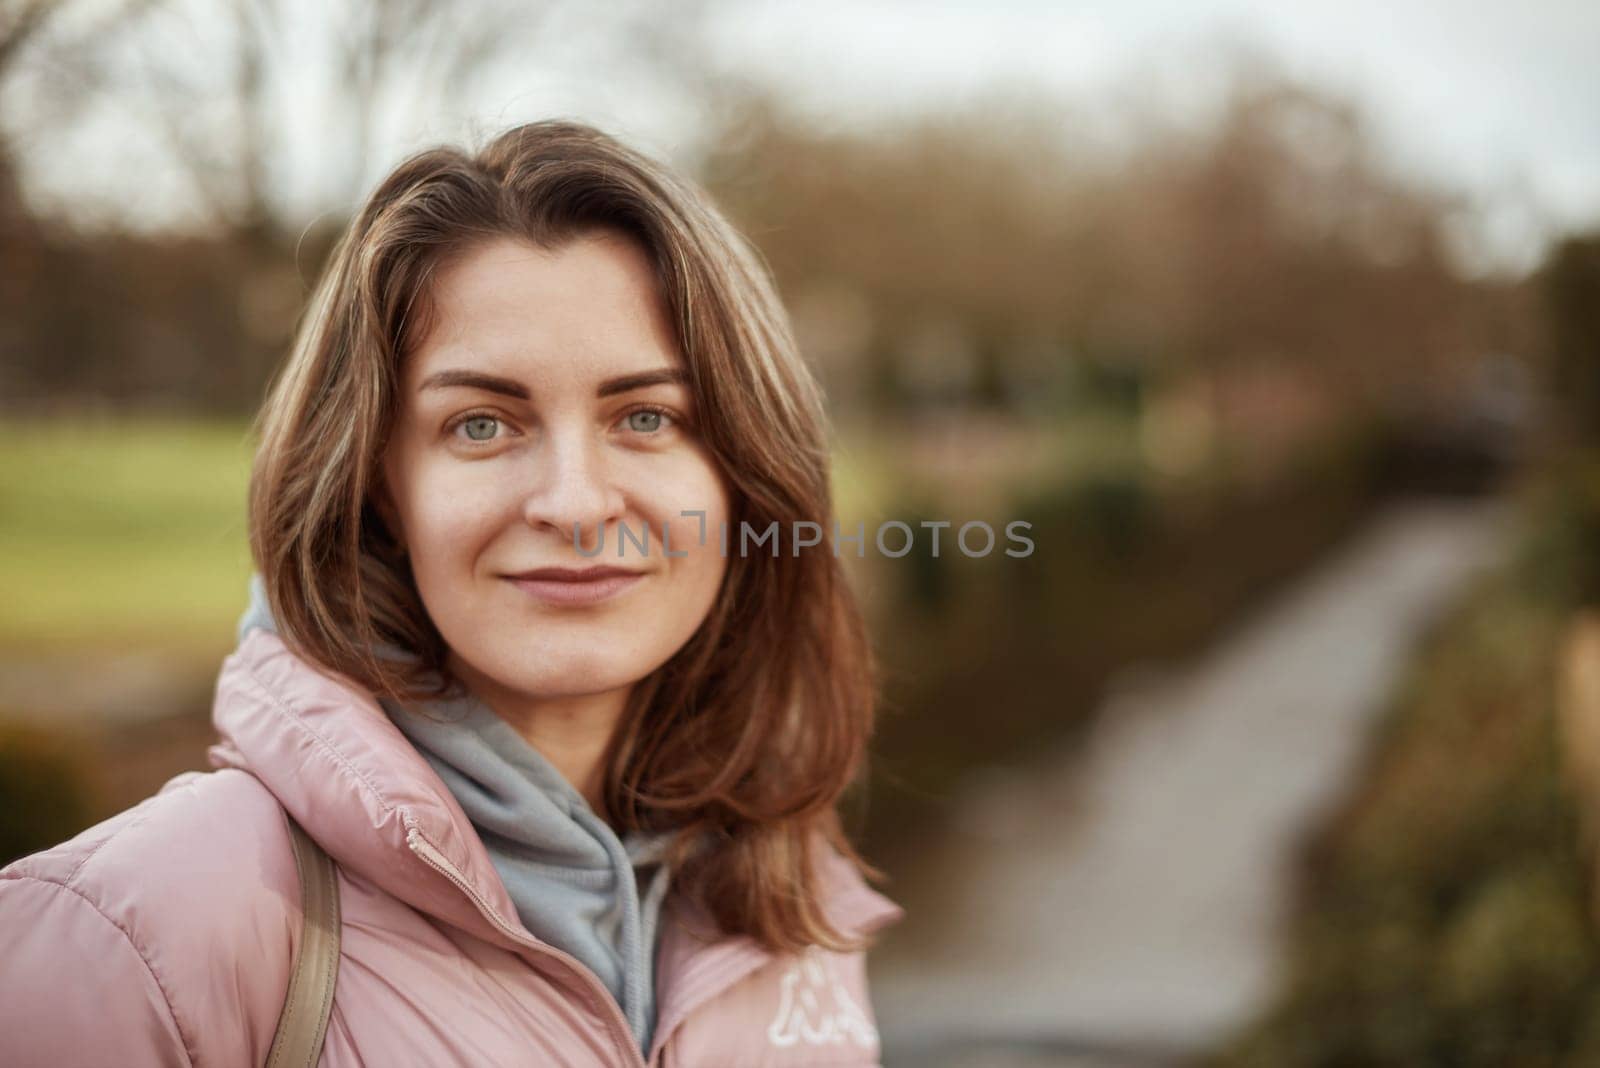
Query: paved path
x=1120, y=904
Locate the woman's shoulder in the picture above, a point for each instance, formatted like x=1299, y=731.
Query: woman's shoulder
x=194, y=893
x=201, y=834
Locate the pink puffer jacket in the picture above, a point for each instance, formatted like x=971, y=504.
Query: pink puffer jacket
x=164, y=935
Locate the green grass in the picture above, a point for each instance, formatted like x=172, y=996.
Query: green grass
x=122, y=532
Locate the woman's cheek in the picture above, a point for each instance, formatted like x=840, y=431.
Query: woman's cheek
x=459, y=508
x=666, y=491
x=683, y=537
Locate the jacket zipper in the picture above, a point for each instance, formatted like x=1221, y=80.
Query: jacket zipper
x=435, y=859
x=430, y=855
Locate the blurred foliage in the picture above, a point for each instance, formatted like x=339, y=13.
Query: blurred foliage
x=1571, y=290
x=1562, y=563
x=1002, y=253
x=45, y=789
x=1443, y=916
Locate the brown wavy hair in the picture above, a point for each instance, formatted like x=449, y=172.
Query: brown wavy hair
x=745, y=739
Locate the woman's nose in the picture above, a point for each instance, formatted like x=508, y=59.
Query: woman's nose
x=574, y=488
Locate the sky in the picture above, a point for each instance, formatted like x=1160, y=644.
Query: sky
x=1496, y=100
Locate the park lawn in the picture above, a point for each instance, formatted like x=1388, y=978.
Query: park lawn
x=122, y=533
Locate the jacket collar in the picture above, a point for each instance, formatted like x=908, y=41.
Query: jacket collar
x=328, y=752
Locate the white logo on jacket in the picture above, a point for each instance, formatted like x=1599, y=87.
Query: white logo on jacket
x=815, y=1008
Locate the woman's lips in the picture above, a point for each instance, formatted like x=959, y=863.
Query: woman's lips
x=576, y=591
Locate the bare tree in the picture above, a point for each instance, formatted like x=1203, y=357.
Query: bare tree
x=362, y=59
x=218, y=95
x=20, y=22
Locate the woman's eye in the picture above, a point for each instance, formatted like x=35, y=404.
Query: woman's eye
x=480, y=427
x=645, y=420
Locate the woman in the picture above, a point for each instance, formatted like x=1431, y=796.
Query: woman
x=575, y=752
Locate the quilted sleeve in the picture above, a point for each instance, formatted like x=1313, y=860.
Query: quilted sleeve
x=75, y=988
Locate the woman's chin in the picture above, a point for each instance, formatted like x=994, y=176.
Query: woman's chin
x=575, y=680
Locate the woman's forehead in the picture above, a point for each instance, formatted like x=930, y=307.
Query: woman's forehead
x=587, y=311
x=501, y=278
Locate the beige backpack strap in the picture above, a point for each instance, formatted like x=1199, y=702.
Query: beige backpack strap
x=310, y=999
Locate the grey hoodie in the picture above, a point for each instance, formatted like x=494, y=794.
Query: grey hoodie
x=575, y=883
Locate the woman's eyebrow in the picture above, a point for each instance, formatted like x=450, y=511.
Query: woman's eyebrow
x=474, y=380
x=512, y=388
x=663, y=376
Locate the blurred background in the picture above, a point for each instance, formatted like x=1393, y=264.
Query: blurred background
x=1280, y=323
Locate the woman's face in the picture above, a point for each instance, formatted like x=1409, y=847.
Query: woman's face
x=548, y=394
